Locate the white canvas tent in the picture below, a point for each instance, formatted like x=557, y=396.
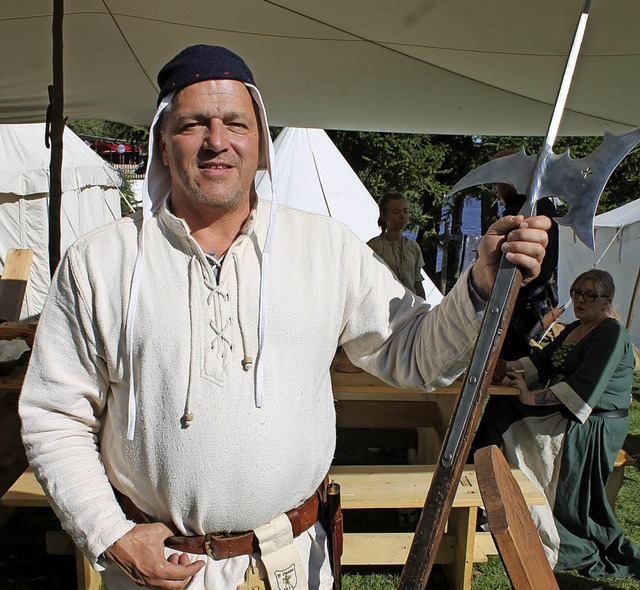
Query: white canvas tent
x=312, y=175
x=417, y=66
x=617, y=251
x=90, y=197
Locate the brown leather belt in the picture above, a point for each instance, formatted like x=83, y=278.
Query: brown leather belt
x=226, y=545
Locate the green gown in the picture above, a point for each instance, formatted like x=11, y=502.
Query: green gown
x=569, y=450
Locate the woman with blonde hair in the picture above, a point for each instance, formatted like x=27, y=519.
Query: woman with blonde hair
x=566, y=427
x=401, y=255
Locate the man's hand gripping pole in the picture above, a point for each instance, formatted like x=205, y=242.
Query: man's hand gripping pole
x=580, y=184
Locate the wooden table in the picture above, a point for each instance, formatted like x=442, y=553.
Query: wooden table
x=13, y=460
x=364, y=402
x=368, y=405
x=363, y=385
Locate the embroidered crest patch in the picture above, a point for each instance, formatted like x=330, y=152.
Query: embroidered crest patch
x=286, y=578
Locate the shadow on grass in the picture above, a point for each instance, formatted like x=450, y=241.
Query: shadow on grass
x=632, y=446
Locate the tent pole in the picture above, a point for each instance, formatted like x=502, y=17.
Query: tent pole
x=632, y=305
x=445, y=254
x=55, y=130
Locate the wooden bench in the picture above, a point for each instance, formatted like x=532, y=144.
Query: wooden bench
x=368, y=487
x=27, y=492
x=617, y=476
x=405, y=486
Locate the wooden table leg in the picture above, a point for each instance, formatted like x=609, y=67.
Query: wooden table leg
x=462, y=524
x=430, y=439
x=88, y=578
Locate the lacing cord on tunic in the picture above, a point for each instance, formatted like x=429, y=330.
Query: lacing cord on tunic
x=220, y=335
x=247, y=361
x=188, y=416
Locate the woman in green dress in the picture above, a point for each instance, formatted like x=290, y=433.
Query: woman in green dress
x=566, y=427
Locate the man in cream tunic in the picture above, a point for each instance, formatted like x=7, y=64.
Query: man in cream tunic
x=183, y=354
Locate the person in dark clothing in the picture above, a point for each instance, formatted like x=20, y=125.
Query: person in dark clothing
x=534, y=301
x=539, y=296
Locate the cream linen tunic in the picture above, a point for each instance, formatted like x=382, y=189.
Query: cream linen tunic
x=236, y=466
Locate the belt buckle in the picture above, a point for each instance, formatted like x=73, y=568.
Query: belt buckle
x=209, y=546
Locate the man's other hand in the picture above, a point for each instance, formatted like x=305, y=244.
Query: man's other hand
x=140, y=555
x=522, y=241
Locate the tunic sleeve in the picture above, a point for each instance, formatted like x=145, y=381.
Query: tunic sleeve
x=63, y=397
x=393, y=334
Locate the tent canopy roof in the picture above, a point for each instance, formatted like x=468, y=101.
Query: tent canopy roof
x=412, y=65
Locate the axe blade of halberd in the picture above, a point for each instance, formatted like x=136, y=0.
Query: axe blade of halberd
x=578, y=182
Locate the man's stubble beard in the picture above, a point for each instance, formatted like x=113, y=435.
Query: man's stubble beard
x=199, y=195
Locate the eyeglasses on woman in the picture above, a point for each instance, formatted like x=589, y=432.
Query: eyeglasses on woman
x=587, y=296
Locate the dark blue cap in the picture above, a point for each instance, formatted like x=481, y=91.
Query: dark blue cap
x=202, y=62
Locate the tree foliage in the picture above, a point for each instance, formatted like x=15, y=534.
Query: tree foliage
x=425, y=167
x=111, y=130
x=411, y=164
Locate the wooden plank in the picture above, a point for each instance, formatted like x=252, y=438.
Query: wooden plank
x=17, y=264
x=393, y=548
x=623, y=459
x=510, y=523
x=362, y=486
x=365, y=383
x=87, y=577
x=13, y=330
x=483, y=547
x=462, y=525
x=616, y=479
x=387, y=548
x=9, y=474
x=26, y=491
x=406, y=486
x=13, y=283
x=385, y=414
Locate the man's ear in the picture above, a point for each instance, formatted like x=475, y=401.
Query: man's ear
x=162, y=146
